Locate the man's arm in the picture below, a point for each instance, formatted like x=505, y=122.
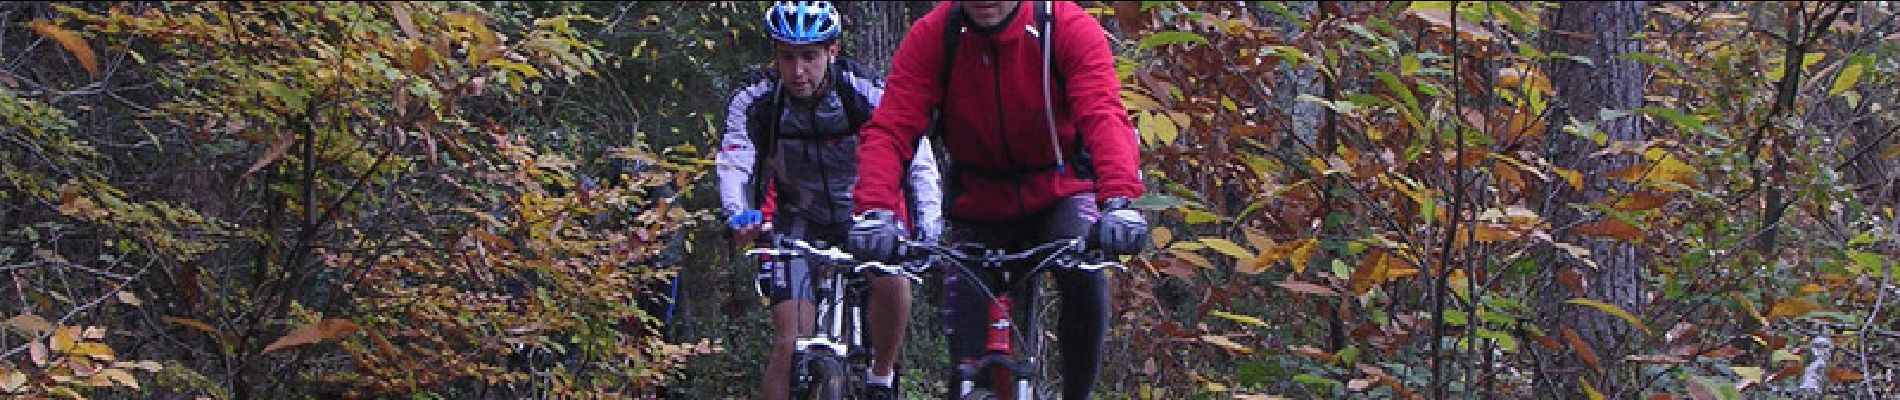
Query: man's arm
x=886, y=143
x=1095, y=96
x=737, y=152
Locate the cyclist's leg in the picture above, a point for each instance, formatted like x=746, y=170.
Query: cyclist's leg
x=889, y=315
x=793, y=316
x=1084, y=297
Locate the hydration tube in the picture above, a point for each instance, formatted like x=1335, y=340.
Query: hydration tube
x=1048, y=102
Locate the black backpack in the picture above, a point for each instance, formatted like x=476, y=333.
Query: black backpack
x=857, y=110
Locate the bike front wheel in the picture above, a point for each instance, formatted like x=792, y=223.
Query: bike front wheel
x=828, y=379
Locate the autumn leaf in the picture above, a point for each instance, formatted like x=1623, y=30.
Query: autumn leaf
x=1307, y=288
x=1573, y=280
x=1610, y=228
x=122, y=377
x=1794, y=307
x=1160, y=237
x=29, y=323
x=1638, y=201
x=328, y=329
x=1371, y=271
x=278, y=148
x=1191, y=258
x=73, y=44
x=1314, y=353
x=1227, y=343
x=1243, y=319
x=1589, y=391
x=1838, y=374
x=1611, y=309
x=1303, y=252
x=1227, y=247
x=1583, y=349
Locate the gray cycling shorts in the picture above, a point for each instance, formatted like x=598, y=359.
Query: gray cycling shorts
x=790, y=279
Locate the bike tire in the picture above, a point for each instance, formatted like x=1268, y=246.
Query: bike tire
x=979, y=394
x=1046, y=380
x=828, y=378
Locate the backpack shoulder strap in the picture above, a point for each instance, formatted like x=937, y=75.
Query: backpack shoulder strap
x=857, y=105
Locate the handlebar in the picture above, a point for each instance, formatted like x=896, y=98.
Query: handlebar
x=1057, y=252
x=789, y=247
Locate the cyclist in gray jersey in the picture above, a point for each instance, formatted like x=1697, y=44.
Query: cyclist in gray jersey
x=788, y=163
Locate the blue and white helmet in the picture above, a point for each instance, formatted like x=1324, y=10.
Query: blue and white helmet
x=803, y=22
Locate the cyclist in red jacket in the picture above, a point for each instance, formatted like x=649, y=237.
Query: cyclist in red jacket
x=1042, y=150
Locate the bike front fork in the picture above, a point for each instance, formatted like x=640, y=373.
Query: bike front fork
x=998, y=361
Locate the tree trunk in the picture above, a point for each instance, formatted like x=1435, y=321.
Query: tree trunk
x=1599, y=31
x=873, y=29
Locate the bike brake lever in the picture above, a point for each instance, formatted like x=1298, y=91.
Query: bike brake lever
x=888, y=269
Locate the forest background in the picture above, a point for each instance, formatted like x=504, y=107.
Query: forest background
x=1660, y=200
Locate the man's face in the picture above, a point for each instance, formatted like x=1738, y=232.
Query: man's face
x=801, y=68
x=988, y=13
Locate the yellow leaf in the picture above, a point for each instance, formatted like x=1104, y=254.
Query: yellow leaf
x=1243, y=319
x=1160, y=237
x=64, y=338
x=1794, y=307
x=328, y=329
x=1611, y=309
x=1588, y=390
x=73, y=44
x=1890, y=152
x=1572, y=176
x=1303, y=252
x=1157, y=129
x=96, y=350
x=1227, y=247
x=1259, y=241
x=1227, y=343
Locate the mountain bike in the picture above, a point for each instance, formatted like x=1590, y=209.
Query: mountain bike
x=833, y=361
x=1015, y=363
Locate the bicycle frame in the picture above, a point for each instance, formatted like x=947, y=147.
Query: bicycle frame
x=1001, y=360
x=840, y=296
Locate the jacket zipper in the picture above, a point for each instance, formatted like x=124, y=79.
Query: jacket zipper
x=1009, y=157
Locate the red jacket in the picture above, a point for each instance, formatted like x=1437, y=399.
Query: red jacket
x=995, y=116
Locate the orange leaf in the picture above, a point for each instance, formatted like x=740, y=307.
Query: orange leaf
x=1631, y=173
x=1315, y=353
x=1573, y=280
x=1546, y=341
x=197, y=325
x=1788, y=369
x=328, y=329
x=1610, y=228
x=1371, y=271
x=1643, y=200
x=71, y=42
x=1583, y=349
x=1838, y=374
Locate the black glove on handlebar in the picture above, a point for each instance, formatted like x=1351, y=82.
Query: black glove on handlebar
x=874, y=236
x=1122, y=230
